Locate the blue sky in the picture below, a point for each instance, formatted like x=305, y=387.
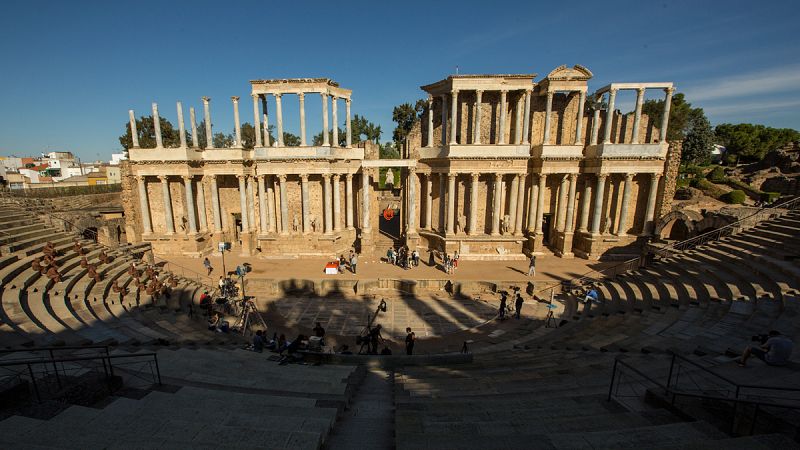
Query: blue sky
x=71, y=69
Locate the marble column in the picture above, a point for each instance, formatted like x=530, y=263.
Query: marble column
x=622, y=227
x=533, y=200
x=476, y=132
x=284, y=206
x=451, y=202
x=237, y=127
x=598, y=202
x=473, y=204
x=304, y=200
x=444, y=119
x=195, y=138
x=251, y=206
x=168, y=217
x=257, y=125
x=430, y=121
x=217, y=215
x=325, y=136
x=454, y=128
x=262, y=207
x=540, y=204
x=181, y=125
x=157, y=126
x=335, y=120
x=187, y=183
x=348, y=201
x=337, y=208
x=279, y=119
x=548, y=117
x=301, y=97
x=520, y=205
x=649, y=215
x=207, y=120
x=411, y=221
x=496, y=207
x=271, y=222
x=134, y=132
x=501, y=130
x=512, y=202
x=327, y=203
x=144, y=205
x=595, y=126
x=243, y=203
x=569, y=224
x=266, y=120
x=665, y=118
x=579, y=124
x=349, y=137
x=637, y=118
x=526, y=120
x=442, y=202
x=365, y=201
x=561, y=210
x=586, y=204
x=428, y=223
x=201, y=205
x=518, y=123
x=612, y=95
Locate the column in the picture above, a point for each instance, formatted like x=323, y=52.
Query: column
x=622, y=227
x=540, y=203
x=532, y=202
x=181, y=125
x=512, y=202
x=215, y=204
x=325, y=138
x=598, y=202
x=649, y=215
x=257, y=125
x=520, y=204
x=412, y=201
x=561, y=209
x=279, y=112
x=243, y=203
x=262, y=209
x=335, y=120
x=665, y=118
x=301, y=97
x=637, y=118
x=337, y=208
x=251, y=206
x=144, y=206
x=201, y=205
x=473, y=204
x=304, y=202
x=477, y=127
x=569, y=224
x=595, y=126
x=444, y=120
x=195, y=138
x=586, y=203
x=496, y=212
x=349, y=141
x=284, y=205
x=442, y=202
x=454, y=128
x=501, y=138
x=518, y=124
x=187, y=183
x=430, y=121
x=365, y=201
x=326, y=201
x=451, y=201
x=548, y=116
x=428, y=201
x=612, y=95
x=526, y=121
x=134, y=132
x=168, y=219
x=157, y=126
x=237, y=128
x=579, y=125
x=270, y=204
x=266, y=120
x=207, y=119
x=348, y=200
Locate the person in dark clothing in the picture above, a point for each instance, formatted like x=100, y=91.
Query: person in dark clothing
x=258, y=341
x=411, y=338
x=503, y=305
x=518, y=305
x=320, y=333
x=374, y=339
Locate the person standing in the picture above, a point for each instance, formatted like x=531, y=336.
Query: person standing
x=503, y=305
x=532, y=266
x=207, y=265
x=456, y=257
x=518, y=305
x=410, y=339
x=353, y=262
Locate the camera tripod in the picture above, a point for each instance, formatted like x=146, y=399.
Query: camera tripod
x=248, y=316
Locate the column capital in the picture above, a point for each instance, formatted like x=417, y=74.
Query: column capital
x=326, y=176
x=235, y=99
x=211, y=176
x=277, y=95
x=475, y=176
x=347, y=100
x=629, y=176
x=163, y=178
x=602, y=176
x=323, y=94
x=640, y=91
x=349, y=176
x=498, y=176
x=301, y=95
x=303, y=177
x=205, y=99
x=454, y=92
x=430, y=99
x=573, y=177
x=669, y=90
x=334, y=97
x=187, y=177
x=549, y=93
x=336, y=176
x=282, y=177
x=613, y=91
x=255, y=96
x=479, y=91
x=451, y=175
x=241, y=177
x=139, y=177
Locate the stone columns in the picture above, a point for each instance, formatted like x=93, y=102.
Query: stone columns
x=270, y=207
x=201, y=205
x=454, y=119
x=569, y=224
x=284, y=205
x=257, y=127
x=518, y=123
x=193, y=118
x=428, y=201
x=496, y=208
x=501, y=138
x=243, y=203
x=349, y=137
x=168, y=218
x=366, y=228
x=207, y=120
x=187, y=183
x=612, y=95
x=279, y=138
x=251, y=206
x=540, y=203
x=335, y=120
x=237, y=127
x=649, y=215
x=348, y=201
x=598, y=202
x=134, y=132
x=144, y=206
x=637, y=118
x=444, y=120
x=181, y=125
x=215, y=204
x=665, y=118
x=477, y=128
x=622, y=228
x=595, y=127
x=533, y=200
x=579, y=125
x=561, y=209
x=157, y=126
x=473, y=204
x=512, y=202
x=327, y=203
x=430, y=121
x=337, y=208
x=325, y=137
x=526, y=120
x=262, y=209
x=548, y=113
x=586, y=204
x=301, y=97
x=451, y=202
x=304, y=200
x=520, y=205
x=266, y=120
x=442, y=202
x=412, y=201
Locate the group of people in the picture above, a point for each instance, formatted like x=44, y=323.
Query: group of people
x=402, y=257
x=351, y=262
x=506, y=309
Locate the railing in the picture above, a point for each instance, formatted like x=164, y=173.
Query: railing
x=54, y=190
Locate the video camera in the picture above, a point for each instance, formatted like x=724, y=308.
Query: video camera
x=760, y=338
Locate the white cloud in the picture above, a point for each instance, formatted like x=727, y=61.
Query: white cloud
x=751, y=107
x=779, y=79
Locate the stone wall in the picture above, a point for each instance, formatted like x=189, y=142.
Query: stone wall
x=669, y=181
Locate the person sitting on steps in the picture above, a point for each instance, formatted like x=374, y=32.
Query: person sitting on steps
x=775, y=350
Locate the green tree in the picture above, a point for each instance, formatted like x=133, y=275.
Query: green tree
x=317, y=139
x=406, y=115
x=681, y=115
x=389, y=150
x=364, y=130
x=147, y=135
x=222, y=140
x=248, y=135
x=699, y=142
x=201, y=134
x=750, y=142
x=291, y=140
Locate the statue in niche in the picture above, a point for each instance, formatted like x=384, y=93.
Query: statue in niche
x=506, y=224
x=312, y=220
x=295, y=223
x=389, y=183
x=459, y=224
x=607, y=227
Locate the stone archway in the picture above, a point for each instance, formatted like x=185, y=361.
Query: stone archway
x=678, y=225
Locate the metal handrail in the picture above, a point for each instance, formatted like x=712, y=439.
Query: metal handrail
x=54, y=347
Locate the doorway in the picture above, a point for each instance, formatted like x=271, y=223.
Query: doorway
x=547, y=222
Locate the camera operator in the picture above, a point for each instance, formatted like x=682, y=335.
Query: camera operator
x=775, y=349
x=374, y=339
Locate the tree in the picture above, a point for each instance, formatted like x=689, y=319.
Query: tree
x=222, y=140
x=389, y=150
x=317, y=139
x=248, y=135
x=750, y=142
x=201, y=134
x=699, y=142
x=363, y=129
x=681, y=115
x=145, y=130
x=291, y=140
x=406, y=116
